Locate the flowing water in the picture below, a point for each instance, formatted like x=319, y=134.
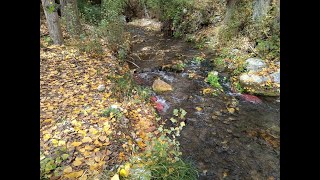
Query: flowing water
x=244, y=144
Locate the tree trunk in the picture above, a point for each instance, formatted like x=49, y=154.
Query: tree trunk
x=69, y=10
x=52, y=21
x=230, y=6
x=146, y=14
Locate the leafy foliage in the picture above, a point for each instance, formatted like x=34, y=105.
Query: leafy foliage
x=213, y=80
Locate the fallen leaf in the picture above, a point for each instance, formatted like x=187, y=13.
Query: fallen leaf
x=77, y=162
x=115, y=177
x=102, y=138
x=67, y=169
x=76, y=144
x=74, y=174
x=86, y=139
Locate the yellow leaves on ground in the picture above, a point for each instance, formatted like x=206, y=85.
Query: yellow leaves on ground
x=115, y=177
x=106, y=128
x=77, y=161
x=67, y=169
x=73, y=175
x=46, y=137
x=61, y=143
x=207, y=91
x=70, y=114
x=75, y=144
x=102, y=138
x=86, y=139
x=198, y=108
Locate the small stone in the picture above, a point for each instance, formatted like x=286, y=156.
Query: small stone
x=161, y=86
x=217, y=113
x=214, y=117
x=101, y=88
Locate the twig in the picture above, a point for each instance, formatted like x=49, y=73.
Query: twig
x=253, y=50
x=133, y=63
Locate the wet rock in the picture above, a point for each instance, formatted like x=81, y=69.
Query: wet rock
x=256, y=84
x=161, y=86
x=101, y=88
x=255, y=64
x=247, y=78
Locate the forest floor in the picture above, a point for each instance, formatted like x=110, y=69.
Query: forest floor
x=83, y=130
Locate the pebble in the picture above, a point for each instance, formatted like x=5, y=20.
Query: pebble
x=101, y=88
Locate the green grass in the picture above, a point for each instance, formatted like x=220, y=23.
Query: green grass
x=165, y=162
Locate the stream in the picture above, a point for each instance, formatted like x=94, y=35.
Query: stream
x=244, y=144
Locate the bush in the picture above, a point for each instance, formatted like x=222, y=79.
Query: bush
x=91, y=13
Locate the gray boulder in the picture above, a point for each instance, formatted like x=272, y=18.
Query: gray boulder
x=255, y=64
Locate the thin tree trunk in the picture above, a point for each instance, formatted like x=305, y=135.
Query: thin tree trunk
x=52, y=21
x=230, y=6
x=145, y=10
x=69, y=10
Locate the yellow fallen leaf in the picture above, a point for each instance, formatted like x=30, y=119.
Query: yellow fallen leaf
x=82, y=150
x=87, y=147
x=74, y=174
x=76, y=144
x=96, y=150
x=61, y=143
x=97, y=158
x=54, y=142
x=67, y=169
x=86, y=154
x=198, y=108
x=115, y=177
x=123, y=173
x=82, y=132
x=93, y=131
x=102, y=138
x=97, y=143
x=47, y=121
x=86, y=139
x=46, y=137
x=231, y=110
x=77, y=162
x=83, y=177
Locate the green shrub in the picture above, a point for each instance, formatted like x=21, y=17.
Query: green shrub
x=91, y=13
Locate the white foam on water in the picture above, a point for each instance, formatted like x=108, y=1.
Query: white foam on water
x=163, y=102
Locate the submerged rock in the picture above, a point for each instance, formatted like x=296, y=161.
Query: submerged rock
x=251, y=98
x=161, y=86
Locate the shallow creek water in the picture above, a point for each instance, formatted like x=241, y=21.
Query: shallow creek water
x=223, y=145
